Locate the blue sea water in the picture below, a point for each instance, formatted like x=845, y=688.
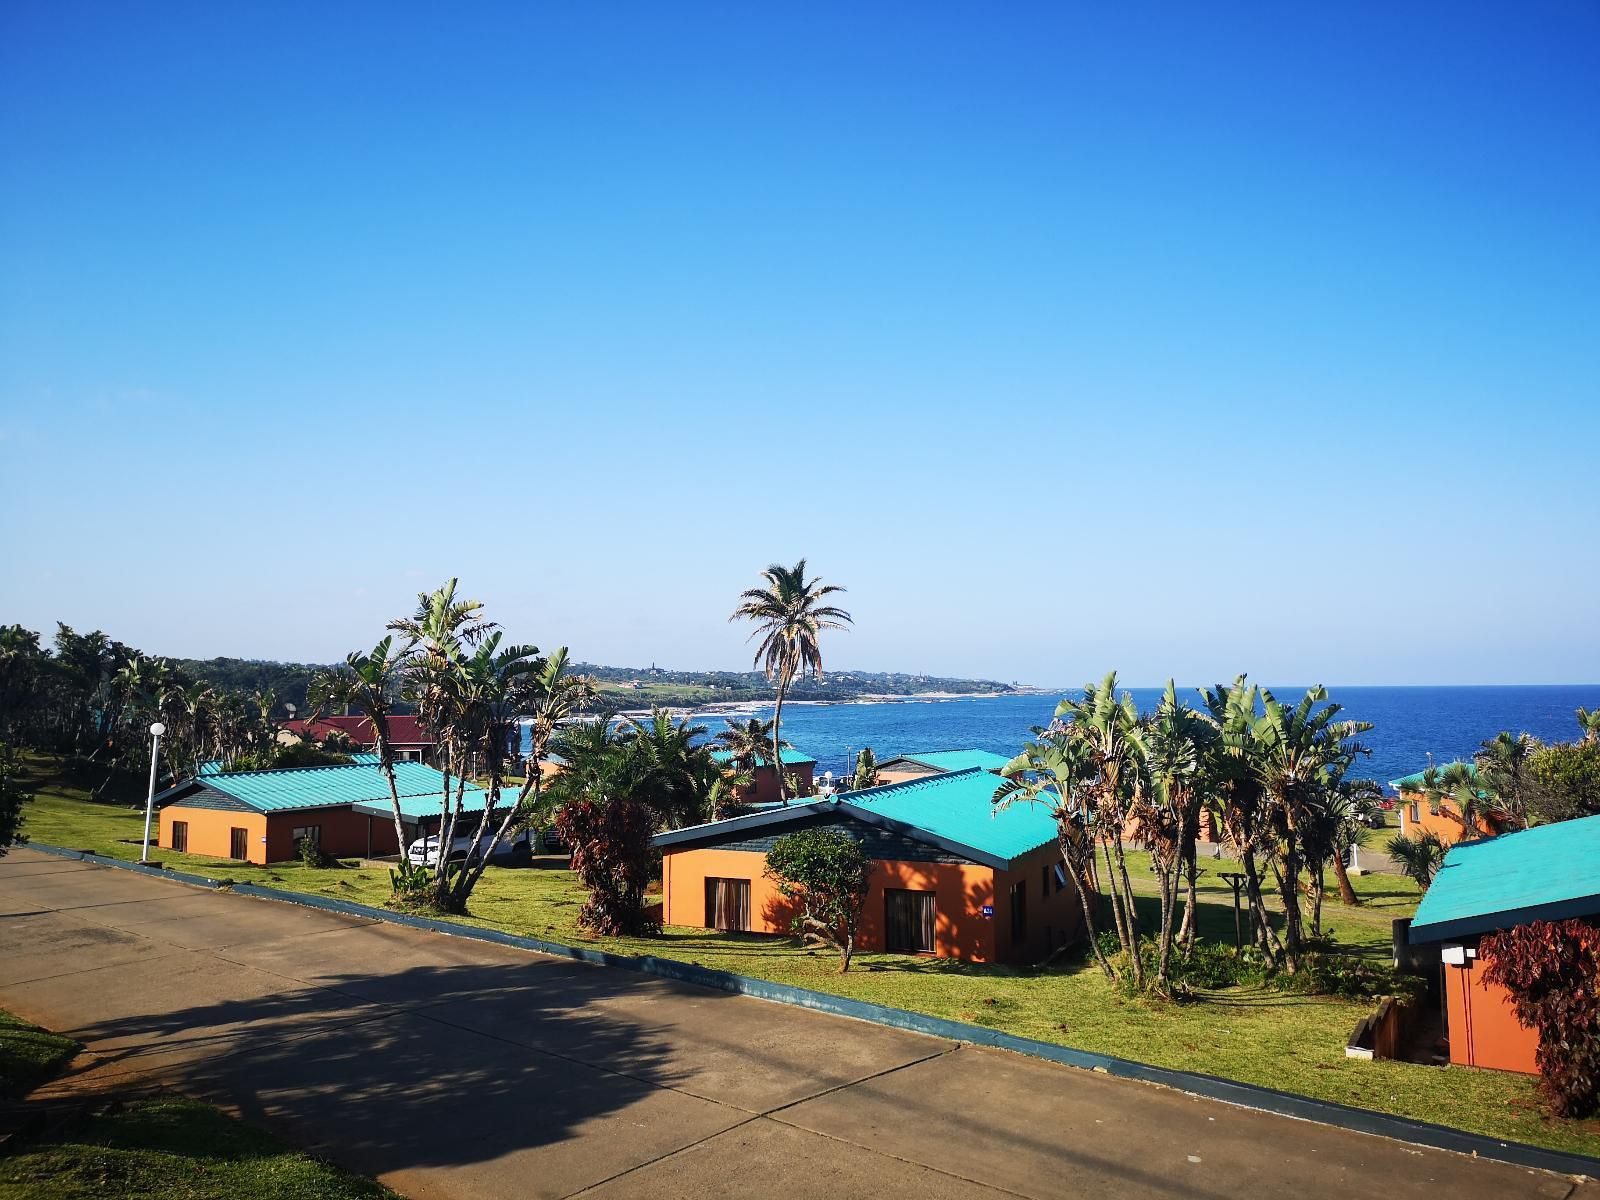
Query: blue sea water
x=1410, y=722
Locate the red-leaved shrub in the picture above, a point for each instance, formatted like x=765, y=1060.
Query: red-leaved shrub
x=1552, y=970
x=611, y=856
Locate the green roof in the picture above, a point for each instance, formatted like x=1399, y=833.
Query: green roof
x=789, y=757
x=953, y=810
x=957, y=760
x=1545, y=873
x=324, y=787
x=1415, y=780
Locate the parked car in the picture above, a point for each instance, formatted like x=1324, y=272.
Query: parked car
x=516, y=848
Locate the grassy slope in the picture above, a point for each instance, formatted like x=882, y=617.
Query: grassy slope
x=1295, y=1043
x=170, y=1147
x=29, y=1056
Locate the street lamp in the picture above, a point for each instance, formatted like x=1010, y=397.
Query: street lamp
x=156, y=731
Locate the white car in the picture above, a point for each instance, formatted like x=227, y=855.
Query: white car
x=517, y=847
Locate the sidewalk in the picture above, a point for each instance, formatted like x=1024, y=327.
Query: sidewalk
x=448, y=1067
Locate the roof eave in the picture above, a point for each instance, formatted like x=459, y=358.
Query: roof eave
x=1463, y=927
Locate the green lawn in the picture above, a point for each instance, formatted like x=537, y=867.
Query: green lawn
x=1256, y=1035
x=166, y=1147
x=29, y=1056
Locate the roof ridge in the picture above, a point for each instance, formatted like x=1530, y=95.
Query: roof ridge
x=921, y=781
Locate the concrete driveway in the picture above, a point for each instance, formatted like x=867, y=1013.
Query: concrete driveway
x=447, y=1067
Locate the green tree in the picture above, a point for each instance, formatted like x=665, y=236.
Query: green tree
x=1589, y=723
x=748, y=744
x=788, y=615
x=1417, y=857
x=675, y=771
x=866, y=774
x=828, y=875
x=12, y=797
x=1502, y=764
x=1295, y=748
x=1055, y=771
x=1564, y=781
x=367, y=682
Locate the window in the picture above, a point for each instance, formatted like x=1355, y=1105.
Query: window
x=909, y=919
x=239, y=843
x=1061, y=877
x=314, y=832
x=728, y=904
x=1019, y=912
x=1416, y=812
x=180, y=836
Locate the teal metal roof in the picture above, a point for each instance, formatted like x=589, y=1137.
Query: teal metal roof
x=323, y=787
x=1415, y=780
x=958, y=806
x=1546, y=873
x=789, y=757
x=958, y=760
x=953, y=810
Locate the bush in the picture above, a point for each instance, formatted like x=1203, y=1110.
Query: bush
x=1566, y=781
x=411, y=887
x=828, y=874
x=1551, y=969
x=12, y=798
x=311, y=854
x=611, y=856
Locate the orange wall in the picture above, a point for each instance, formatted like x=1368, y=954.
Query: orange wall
x=766, y=788
x=210, y=831
x=1053, y=917
x=271, y=836
x=903, y=774
x=1442, y=824
x=961, y=891
x=1483, y=1028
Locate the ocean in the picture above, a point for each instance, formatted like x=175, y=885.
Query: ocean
x=1410, y=722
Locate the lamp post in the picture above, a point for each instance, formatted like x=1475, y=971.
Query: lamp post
x=156, y=731
x=1236, y=878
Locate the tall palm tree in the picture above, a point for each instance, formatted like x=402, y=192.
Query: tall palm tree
x=675, y=769
x=1296, y=747
x=788, y=614
x=368, y=683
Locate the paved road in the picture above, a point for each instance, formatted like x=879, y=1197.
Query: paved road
x=452, y=1068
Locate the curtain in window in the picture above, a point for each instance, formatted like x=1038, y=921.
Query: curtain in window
x=728, y=904
x=910, y=920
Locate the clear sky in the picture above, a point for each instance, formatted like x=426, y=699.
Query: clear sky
x=1183, y=339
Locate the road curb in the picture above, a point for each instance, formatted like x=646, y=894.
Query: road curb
x=1245, y=1095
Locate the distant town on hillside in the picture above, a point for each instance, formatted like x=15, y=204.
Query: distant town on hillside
x=629, y=687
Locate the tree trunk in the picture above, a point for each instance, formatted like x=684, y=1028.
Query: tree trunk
x=1347, y=894
x=777, y=754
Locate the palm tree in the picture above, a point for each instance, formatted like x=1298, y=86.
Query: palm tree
x=866, y=775
x=788, y=614
x=1055, y=770
x=367, y=683
x=1296, y=748
x=1589, y=723
x=674, y=769
x=1502, y=772
x=748, y=744
x=1167, y=812
x=1418, y=858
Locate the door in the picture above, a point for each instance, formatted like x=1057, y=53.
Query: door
x=1019, y=913
x=239, y=843
x=909, y=921
x=728, y=904
x=180, y=836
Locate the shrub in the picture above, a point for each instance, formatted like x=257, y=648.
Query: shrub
x=1552, y=970
x=411, y=887
x=611, y=856
x=12, y=798
x=1566, y=781
x=827, y=873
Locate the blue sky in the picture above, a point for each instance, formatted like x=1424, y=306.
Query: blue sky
x=1177, y=339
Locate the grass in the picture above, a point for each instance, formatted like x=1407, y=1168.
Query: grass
x=1252, y=1034
x=29, y=1056
x=167, y=1147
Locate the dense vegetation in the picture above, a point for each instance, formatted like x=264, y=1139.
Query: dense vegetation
x=1275, y=778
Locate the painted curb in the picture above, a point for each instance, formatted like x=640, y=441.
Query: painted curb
x=1244, y=1095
